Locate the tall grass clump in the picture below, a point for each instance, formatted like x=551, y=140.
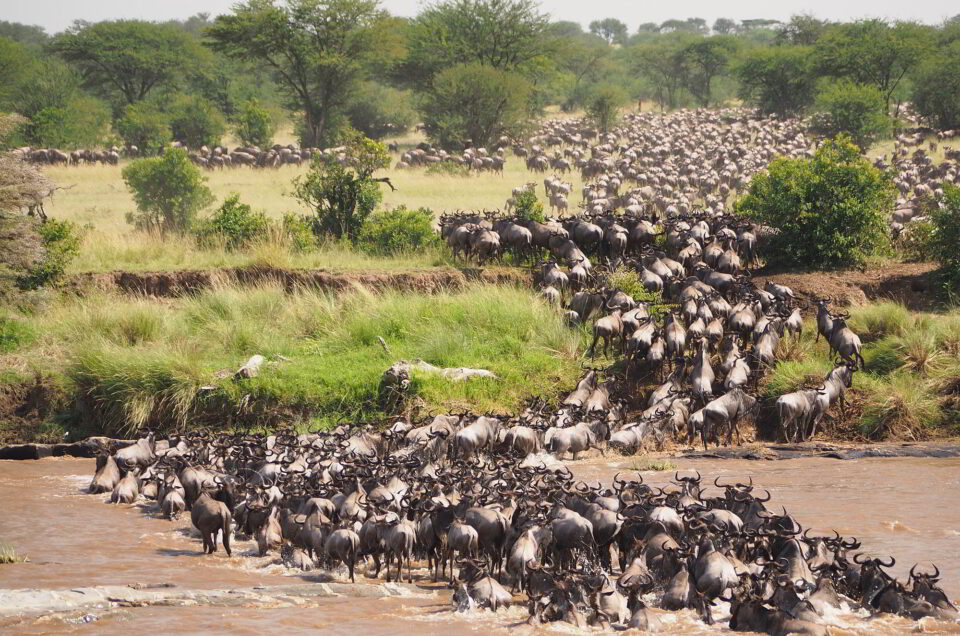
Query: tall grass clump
x=901, y=405
x=877, y=320
x=9, y=555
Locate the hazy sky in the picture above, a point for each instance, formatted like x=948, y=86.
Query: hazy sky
x=55, y=15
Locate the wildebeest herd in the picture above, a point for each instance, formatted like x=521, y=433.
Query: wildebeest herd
x=463, y=497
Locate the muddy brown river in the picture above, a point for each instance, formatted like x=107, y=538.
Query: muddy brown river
x=905, y=507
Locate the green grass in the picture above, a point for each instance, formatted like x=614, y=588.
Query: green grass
x=876, y=320
x=14, y=333
x=137, y=361
x=900, y=405
x=9, y=555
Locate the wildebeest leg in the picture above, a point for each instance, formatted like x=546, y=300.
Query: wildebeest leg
x=226, y=536
x=352, y=556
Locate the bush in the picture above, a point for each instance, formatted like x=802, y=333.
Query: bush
x=527, y=206
x=343, y=196
x=83, y=121
x=143, y=125
x=299, y=231
x=936, y=88
x=829, y=211
x=168, y=190
x=196, y=122
x=399, y=230
x=915, y=240
x=946, y=237
x=61, y=244
x=378, y=111
x=234, y=224
x=856, y=110
x=253, y=125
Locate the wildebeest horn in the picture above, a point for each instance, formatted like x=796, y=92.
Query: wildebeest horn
x=764, y=500
x=893, y=562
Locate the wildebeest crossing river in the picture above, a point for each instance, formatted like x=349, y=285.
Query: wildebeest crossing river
x=902, y=506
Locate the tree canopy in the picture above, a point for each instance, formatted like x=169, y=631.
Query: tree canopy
x=125, y=60
x=508, y=35
x=318, y=51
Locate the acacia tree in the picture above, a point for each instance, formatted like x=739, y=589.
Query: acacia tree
x=127, y=59
x=873, y=52
x=779, y=80
x=665, y=66
x=318, y=50
x=509, y=35
x=936, y=88
x=707, y=59
x=477, y=104
x=610, y=29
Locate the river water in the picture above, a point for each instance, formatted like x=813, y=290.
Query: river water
x=906, y=507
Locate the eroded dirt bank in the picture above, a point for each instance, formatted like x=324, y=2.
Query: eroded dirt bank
x=178, y=283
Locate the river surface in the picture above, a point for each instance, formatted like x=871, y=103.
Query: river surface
x=906, y=507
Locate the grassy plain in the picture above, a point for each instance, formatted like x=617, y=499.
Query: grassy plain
x=95, y=197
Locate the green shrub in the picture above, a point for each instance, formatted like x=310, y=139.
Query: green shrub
x=342, y=197
x=234, y=225
x=168, y=191
x=14, y=333
x=475, y=102
x=143, y=125
x=299, y=232
x=399, y=230
x=253, y=125
x=61, y=244
x=946, y=238
x=195, y=122
x=603, y=105
x=829, y=211
x=857, y=110
x=527, y=206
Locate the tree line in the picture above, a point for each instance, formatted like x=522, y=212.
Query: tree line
x=470, y=71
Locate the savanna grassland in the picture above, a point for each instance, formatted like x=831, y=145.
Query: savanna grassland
x=96, y=198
